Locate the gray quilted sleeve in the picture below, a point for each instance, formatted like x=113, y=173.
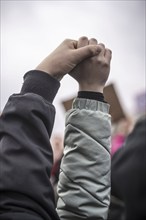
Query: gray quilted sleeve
x=84, y=181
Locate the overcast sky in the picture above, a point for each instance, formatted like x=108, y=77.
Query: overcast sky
x=30, y=30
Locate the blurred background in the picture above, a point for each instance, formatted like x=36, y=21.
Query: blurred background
x=30, y=30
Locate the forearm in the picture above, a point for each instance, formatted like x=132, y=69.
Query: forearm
x=84, y=183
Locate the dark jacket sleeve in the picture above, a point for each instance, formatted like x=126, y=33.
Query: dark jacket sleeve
x=128, y=177
x=25, y=151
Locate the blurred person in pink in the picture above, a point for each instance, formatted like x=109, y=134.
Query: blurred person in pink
x=121, y=130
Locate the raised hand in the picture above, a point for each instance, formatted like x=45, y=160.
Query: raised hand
x=93, y=72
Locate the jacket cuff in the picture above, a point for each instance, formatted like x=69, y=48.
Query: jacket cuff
x=41, y=83
x=98, y=96
x=90, y=104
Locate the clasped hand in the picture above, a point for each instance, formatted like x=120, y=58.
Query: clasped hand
x=87, y=61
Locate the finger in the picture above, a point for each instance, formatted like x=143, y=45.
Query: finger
x=102, y=50
x=75, y=44
x=102, y=45
x=108, y=55
x=86, y=52
x=72, y=44
x=83, y=41
x=93, y=41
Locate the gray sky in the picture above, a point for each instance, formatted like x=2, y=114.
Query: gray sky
x=30, y=30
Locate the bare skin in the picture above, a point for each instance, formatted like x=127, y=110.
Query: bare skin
x=92, y=73
x=85, y=60
x=65, y=57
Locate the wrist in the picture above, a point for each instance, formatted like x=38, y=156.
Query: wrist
x=50, y=69
x=54, y=74
x=91, y=88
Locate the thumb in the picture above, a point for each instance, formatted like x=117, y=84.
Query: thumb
x=86, y=52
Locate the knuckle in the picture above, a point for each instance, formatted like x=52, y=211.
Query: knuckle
x=67, y=40
x=93, y=39
x=83, y=38
x=70, y=43
x=102, y=45
x=105, y=64
x=91, y=51
x=109, y=51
